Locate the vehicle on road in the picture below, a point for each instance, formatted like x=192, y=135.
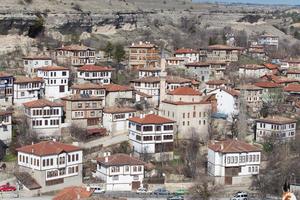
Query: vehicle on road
x=143, y=190
x=97, y=189
x=176, y=197
x=181, y=192
x=7, y=188
x=240, y=196
x=161, y=191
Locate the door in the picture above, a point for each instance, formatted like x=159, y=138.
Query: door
x=135, y=185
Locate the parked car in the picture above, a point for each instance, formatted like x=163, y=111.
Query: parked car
x=143, y=190
x=181, y=192
x=161, y=191
x=240, y=196
x=176, y=197
x=97, y=189
x=7, y=188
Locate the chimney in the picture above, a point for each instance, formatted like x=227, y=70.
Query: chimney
x=106, y=158
x=163, y=76
x=32, y=151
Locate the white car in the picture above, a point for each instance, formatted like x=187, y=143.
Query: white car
x=97, y=189
x=240, y=196
x=142, y=190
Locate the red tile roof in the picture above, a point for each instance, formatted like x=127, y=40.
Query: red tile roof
x=120, y=159
x=216, y=82
x=25, y=79
x=232, y=92
x=232, y=146
x=37, y=57
x=48, y=148
x=271, y=66
x=150, y=69
x=181, y=103
x=117, y=88
x=94, y=68
x=252, y=66
x=4, y=74
x=5, y=112
x=291, y=71
x=248, y=87
x=267, y=84
x=41, y=103
x=116, y=109
x=142, y=45
x=185, y=51
x=73, y=193
x=185, y=91
x=277, y=120
x=198, y=64
x=151, y=119
x=78, y=97
x=53, y=68
x=142, y=94
x=86, y=86
x=75, y=47
x=292, y=88
x=223, y=47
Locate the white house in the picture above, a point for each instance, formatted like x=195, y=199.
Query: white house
x=188, y=108
x=230, y=160
x=56, y=80
x=152, y=135
x=149, y=71
x=6, y=90
x=227, y=101
x=5, y=126
x=281, y=128
x=268, y=40
x=27, y=89
x=44, y=117
x=94, y=74
x=215, y=84
x=32, y=63
x=176, y=61
x=52, y=165
x=253, y=71
x=190, y=55
x=121, y=172
x=115, y=119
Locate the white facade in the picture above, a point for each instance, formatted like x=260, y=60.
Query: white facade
x=94, y=74
x=144, y=72
x=51, y=169
x=253, y=71
x=227, y=103
x=27, y=90
x=56, y=81
x=44, y=117
x=31, y=64
x=189, y=54
x=120, y=177
x=152, y=138
x=247, y=163
x=281, y=129
x=268, y=40
x=115, y=120
x=5, y=126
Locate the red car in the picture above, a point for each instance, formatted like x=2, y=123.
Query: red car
x=7, y=188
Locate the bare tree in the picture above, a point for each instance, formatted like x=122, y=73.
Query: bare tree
x=78, y=132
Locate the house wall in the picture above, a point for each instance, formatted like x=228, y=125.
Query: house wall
x=191, y=57
x=112, y=97
x=26, y=92
x=31, y=66
x=284, y=131
x=116, y=125
x=94, y=77
x=5, y=128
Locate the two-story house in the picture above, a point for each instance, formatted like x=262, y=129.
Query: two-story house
x=75, y=55
x=231, y=161
x=32, y=63
x=143, y=54
x=27, y=89
x=220, y=53
x=51, y=164
x=115, y=119
x=94, y=74
x=44, y=117
x=5, y=126
x=152, y=135
x=6, y=90
x=190, y=54
x=118, y=95
x=215, y=84
x=251, y=95
x=268, y=40
x=84, y=110
x=149, y=71
x=187, y=108
x=253, y=71
x=121, y=172
x=281, y=128
x=56, y=81
x=91, y=89
x=176, y=61
x=200, y=70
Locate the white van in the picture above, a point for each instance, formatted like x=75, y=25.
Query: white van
x=97, y=189
x=240, y=196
